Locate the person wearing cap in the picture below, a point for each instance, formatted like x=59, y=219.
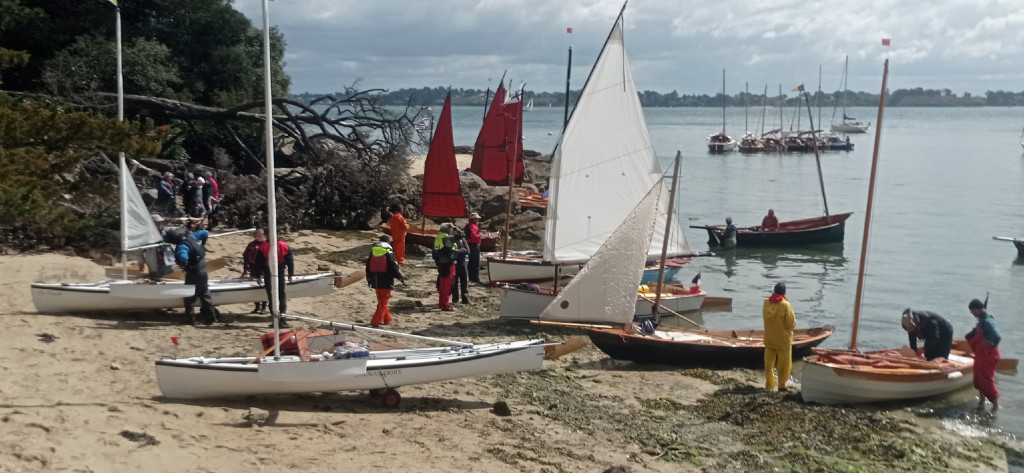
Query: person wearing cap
x=444, y=257
x=779, y=322
x=381, y=273
x=473, y=239
x=935, y=330
x=165, y=194
x=398, y=229
x=984, y=342
x=190, y=254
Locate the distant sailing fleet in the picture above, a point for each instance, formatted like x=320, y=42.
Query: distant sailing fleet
x=777, y=140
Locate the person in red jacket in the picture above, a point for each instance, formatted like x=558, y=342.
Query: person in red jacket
x=381, y=273
x=770, y=223
x=284, y=260
x=250, y=265
x=473, y=239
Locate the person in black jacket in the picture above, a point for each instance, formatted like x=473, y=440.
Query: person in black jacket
x=460, y=284
x=936, y=332
x=381, y=272
x=190, y=254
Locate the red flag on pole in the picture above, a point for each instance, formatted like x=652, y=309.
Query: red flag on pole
x=885, y=41
x=174, y=340
x=568, y=30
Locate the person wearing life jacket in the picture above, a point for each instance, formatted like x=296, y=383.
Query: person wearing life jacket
x=984, y=341
x=779, y=322
x=284, y=260
x=445, y=255
x=250, y=265
x=381, y=272
x=190, y=255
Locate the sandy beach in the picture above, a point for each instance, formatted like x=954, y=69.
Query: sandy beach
x=80, y=395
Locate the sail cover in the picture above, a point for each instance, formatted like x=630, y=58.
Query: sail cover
x=603, y=164
x=137, y=227
x=605, y=289
x=442, y=196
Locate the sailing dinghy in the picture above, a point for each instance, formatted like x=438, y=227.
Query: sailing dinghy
x=849, y=376
x=603, y=165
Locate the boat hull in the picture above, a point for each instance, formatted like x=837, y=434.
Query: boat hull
x=699, y=347
x=826, y=383
x=198, y=378
x=850, y=128
x=793, y=232
x=425, y=237
x=1020, y=248
x=528, y=305
x=512, y=270
x=128, y=295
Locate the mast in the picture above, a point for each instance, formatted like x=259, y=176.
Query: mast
x=268, y=132
x=487, y=98
x=764, y=107
x=846, y=70
x=746, y=109
x=817, y=156
x=668, y=230
x=568, y=75
x=867, y=213
x=723, y=100
x=120, y=118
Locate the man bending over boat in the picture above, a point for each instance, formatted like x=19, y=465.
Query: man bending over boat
x=779, y=322
x=190, y=254
x=936, y=332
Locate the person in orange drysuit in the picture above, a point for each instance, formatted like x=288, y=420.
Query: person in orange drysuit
x=381, y=272
x=398, y=228
x=984, y=340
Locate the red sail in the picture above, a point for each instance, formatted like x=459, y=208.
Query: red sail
x=500, y=141
x=442, y=196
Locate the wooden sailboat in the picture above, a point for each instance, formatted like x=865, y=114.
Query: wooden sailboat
x=848, y=124
x=829, y=228
x=349, y=367
x=851, y=376
x=599, y=299
x=442, y=191
x=500, y=140
x=603, y=164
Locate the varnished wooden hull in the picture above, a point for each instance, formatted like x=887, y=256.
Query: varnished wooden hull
x=794, y=232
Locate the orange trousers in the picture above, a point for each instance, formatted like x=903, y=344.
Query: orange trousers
x=382, y=316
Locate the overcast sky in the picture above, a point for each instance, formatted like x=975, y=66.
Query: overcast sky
x=682, y=45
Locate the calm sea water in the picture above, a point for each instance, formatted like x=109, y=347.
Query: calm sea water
x=948, y=180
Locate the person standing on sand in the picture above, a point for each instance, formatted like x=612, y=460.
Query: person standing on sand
x=190, y=254
x=473, y=239
x=165, y=195
x=398, y=229
x=984, y=341
x=444, y=257
x=381, y=272
x=250, y=265
x=460, y=283
x=284, y=260
x=779, y=322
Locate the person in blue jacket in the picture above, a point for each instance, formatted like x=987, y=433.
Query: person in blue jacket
x=190, y=255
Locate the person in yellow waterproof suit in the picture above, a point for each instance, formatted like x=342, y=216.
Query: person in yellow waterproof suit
x=779, y=321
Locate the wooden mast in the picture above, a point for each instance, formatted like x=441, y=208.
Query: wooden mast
x=867, y=214
x=817, y=156
x=668, y=230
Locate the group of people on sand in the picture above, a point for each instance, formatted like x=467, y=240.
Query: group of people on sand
x=200, y=196
x=935, y=331
x=456, y=254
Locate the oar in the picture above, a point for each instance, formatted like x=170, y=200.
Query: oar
x=1004, y=238
x=677, y=314
x=1007, y=366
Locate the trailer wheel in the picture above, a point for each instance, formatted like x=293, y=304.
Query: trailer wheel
x=392, y=398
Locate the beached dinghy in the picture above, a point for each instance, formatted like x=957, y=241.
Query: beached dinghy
x=201, y=377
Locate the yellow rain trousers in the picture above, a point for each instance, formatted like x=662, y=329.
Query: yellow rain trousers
x=779, y=321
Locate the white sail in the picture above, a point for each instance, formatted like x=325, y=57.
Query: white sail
x=605, y=289
x=137, y=225
x=603, y=165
